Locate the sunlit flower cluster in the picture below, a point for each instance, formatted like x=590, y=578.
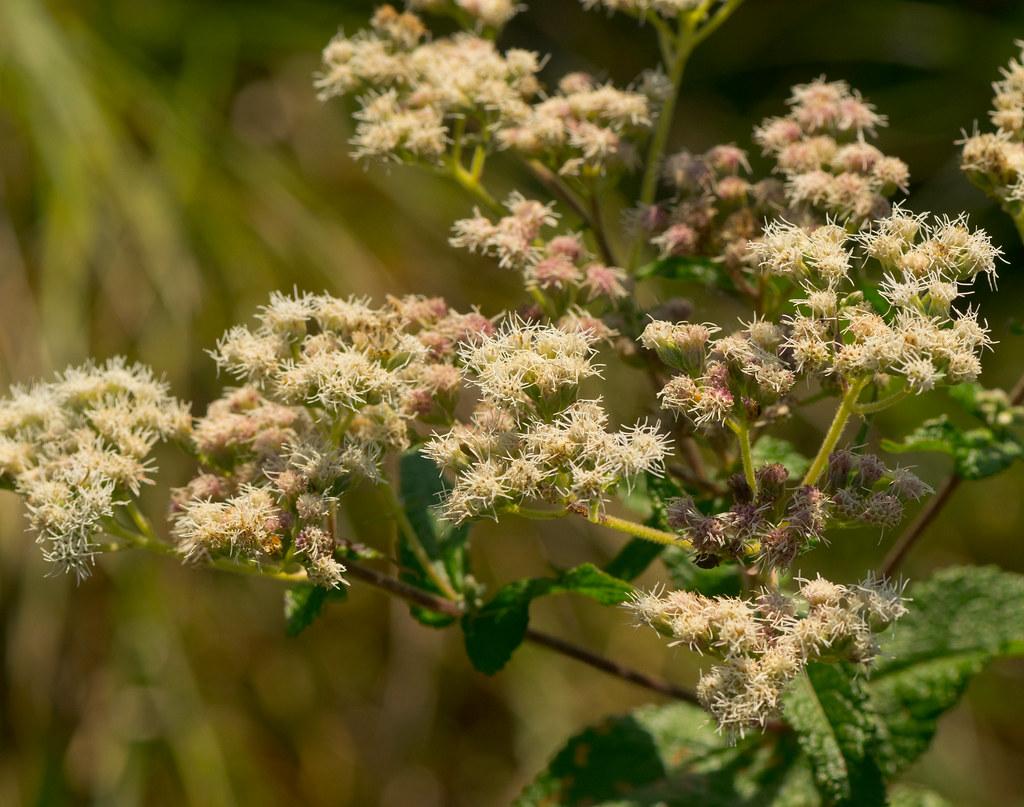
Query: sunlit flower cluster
x=494, y=14
x=77, y=448
x=531, y=439
x=765, y=643
x=821, y=149
x=584, y=128
x=333, y=387
x=916, y=333
x=414, y=91
x=994, y=161
x=560, y=271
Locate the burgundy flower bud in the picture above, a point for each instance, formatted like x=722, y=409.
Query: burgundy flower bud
x=771, y=480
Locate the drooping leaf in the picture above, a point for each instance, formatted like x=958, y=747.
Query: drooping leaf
x=977, y=453
x=670, y=755
x=446, y=545
x=770, y=449
x=957, y=621
x=839, y=734
x=303, y=604
x=494, y=631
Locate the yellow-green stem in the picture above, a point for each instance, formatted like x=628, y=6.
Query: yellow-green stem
x=433, y=570
x=640, y=530
x=835, y=431
x=742, y=432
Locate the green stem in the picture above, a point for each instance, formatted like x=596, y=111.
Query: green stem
x=742, y=432
x=835, y=431
x=433, y=570
x=872, y=407
x=472, y=184
x=535, y=514
x=639, y=530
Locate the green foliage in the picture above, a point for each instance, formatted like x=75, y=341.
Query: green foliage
x=446, y=545
x=303, y=604
x=670, y=755
x=770, y=449
x=977, y=453
x=848, y=735
x=694, y=270
x=838, y=732
x=494, y=631
x=958, y=620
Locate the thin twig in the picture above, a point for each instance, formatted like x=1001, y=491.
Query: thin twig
x=439, y=605
x=913, y=533
x=906, y=541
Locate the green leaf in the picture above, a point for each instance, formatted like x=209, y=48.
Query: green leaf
x=303, y=604
x=770, y=449
x=420, y=488
x=977, y=453
x=493, y=632
x=838, y=732
x=724, y=580
x=694, y=270
x=957, y=621
x=670, y=755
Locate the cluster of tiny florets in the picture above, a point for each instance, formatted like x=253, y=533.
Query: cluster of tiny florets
x=820, y=147
x=994, y=161
x=920, y=336
x=767, y=642
x=77, y=448
x=586, y=127
x=560, y=270
x=531, y=438
x=333, y=386
x=493, y=14
x=413, y=90
x=829, y=171
x=777, y=522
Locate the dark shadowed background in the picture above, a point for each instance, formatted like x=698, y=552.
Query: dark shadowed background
x=163, y=166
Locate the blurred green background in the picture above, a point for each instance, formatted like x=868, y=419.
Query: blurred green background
x=163, y=166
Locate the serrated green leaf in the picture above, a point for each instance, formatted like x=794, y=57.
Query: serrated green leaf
x=838, y=732
x=670, y=755
x=957, y=621
x=303, y=604
x=420, y=488
x=493, y=632
x=770, y=449
x=977, y=453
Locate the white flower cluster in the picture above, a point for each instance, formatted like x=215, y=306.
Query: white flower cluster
x=530, y=438
x=995, y=160
x=922, y=337
x=820, y=148
x=415, y=91
x=76, y=448
x=766, y=643
x=334, y=385
x=583, y=128
x=488, y=13
x=561, y=268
